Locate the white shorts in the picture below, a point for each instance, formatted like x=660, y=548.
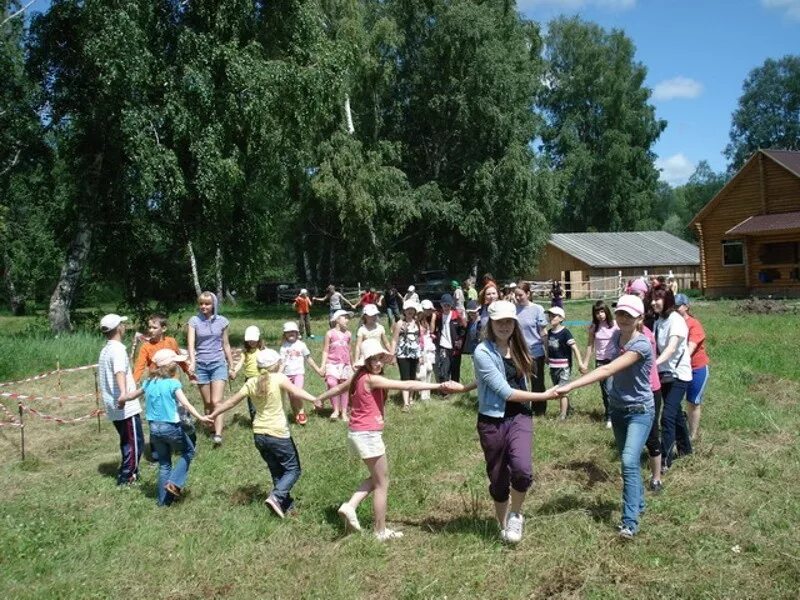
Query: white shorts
x=366, y=444
x=337, y=371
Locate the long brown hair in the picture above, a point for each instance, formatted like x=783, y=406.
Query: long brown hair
x=519, y=349
x=357, y=375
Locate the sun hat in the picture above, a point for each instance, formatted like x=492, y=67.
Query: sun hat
x=639, y=285
x=370, y=348
x=502, y=309
x=290, y=326
x=267, y=358
x=371, y=310
x=251, y=334
x=111, y=322
x=681, y=300
x=303, y=292
x=341, y=313
x=447, y=299
x=631, y=305
x=426, y=305
x=556, y=310
x=167, y=356
x=410, y=304
x=472, y=306
x=411, y=288
x=512, y=285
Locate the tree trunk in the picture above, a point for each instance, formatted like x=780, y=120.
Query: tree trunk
x=64, y=294
x=306, y=261
x=193, y=264
x=15, y=300
x=218, y=273
x=348, y=115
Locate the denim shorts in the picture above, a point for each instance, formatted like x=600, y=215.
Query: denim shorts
x=366, y=444
x=217, y=371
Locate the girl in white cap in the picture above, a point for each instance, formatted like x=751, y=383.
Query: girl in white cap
x=270, y=428
x=336, y=360
x=164, y=395
x=369, y=329
x=411, y=295
x=294, y=355
x=630, y=403
x=367, y=390
x=247, y=360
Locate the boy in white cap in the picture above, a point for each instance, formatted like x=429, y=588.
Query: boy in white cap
x=115, y=380
x=411, y=295
x=302, y=304
x=561, y=348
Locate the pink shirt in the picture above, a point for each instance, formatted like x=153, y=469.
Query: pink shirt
x=338, y=346
x=602, y=341
x=655, y=382
x=366, y=408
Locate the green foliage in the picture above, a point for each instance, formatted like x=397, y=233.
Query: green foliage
x=600, y=127
x=768, y=113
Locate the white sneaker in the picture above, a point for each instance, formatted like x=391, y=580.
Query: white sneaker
x=608, y=424
x=514, y=527
x=273, y=503
x=348, y=513
x=388, y=534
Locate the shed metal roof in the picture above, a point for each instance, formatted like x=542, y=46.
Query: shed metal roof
x=627, y=249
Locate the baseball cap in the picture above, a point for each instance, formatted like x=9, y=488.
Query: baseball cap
x=370, y=348
x=410, y=304
x=303, y=292
x=411, y=288
x=447, y=299
x=639, y=285
x=251, y=334
x=267, y=358
x=371, y=310
x=681, y=300
x=290, y=326
x=502, y=309
x=472, y=306
x=340, y=313
x=454, y=283
x=630, y=304
x=166, y=356
x=426, y=305
x=111, y=322
x=556, y=310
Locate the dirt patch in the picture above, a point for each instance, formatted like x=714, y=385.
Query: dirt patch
x=759, y=306
x=781, y=392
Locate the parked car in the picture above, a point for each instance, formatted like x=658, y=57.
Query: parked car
x=432, y=284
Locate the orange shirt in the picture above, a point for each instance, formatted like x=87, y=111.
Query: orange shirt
x=146, y=352
x=302, y=304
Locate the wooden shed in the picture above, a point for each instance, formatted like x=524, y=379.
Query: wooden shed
x=592, y=264
x=749, y=233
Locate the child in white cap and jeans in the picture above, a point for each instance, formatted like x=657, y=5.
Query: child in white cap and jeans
x=294, y=356
x=561, y=348
x=630, y=403
x=270, y=428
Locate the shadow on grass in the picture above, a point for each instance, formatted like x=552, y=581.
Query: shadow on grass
x=108, y=469
x=484, y=527
x=241, y=421
x=244, y=495
x=594, y=474
x=599, y=510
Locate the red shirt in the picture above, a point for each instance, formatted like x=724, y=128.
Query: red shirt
x=302, y=304
x=697, y=335
x=366, y=408
x=367, y=298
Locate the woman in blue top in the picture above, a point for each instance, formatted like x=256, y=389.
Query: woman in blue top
x=162, y=392
x=630, y=403
x=505, y=421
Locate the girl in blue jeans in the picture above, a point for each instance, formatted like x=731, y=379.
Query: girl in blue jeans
x=630, y=400
x=162, y=392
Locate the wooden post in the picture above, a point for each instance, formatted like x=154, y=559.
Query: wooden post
x=21, y=431
x=97, y=398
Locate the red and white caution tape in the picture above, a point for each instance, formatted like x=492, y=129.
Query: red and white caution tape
x=61, y=420
x=47, y=374
x=13, y=420
x=18, y=396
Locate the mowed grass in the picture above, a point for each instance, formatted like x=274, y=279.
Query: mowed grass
x=725, y=526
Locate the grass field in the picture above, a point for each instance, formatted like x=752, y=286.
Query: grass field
x=725, y=526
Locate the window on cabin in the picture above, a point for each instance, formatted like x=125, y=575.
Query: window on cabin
x=779, y=253
x=732, y=254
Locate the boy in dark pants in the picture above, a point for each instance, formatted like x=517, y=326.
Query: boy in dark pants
x=115, y=379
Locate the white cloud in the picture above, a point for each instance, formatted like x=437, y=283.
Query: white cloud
x=791, y=8
x=675, y=169
x=677, y=87
x=524, y=5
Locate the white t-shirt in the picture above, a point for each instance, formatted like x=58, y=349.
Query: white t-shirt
x=680, y=363
x=294, y=357
x=114, y=359
x=369, y=334
x=444, y=337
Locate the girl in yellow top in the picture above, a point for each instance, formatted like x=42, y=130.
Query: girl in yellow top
x=247, y=361
x=270, y=427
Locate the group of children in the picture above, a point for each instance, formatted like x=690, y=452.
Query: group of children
x=353, y=374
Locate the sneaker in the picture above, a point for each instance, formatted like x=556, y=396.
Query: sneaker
x=388, y=534
x=656, y=486
x=503, y=535
x=625, y=532
x=664, y=469
x=301, y=418
x=608, y=424
x=514, y=527
x=173, y=489
x=273, y=503
x=217, y=439
x=348, y=513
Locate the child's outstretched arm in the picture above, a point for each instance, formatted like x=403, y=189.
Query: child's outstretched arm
x=184, y=402
x=296, y=391
x=238, y=366
x=227, y=405
x=620, y=363
x=411, y=385
x=313, y=365
x=335, y=391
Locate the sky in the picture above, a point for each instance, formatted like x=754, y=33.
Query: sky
x=697, y=54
